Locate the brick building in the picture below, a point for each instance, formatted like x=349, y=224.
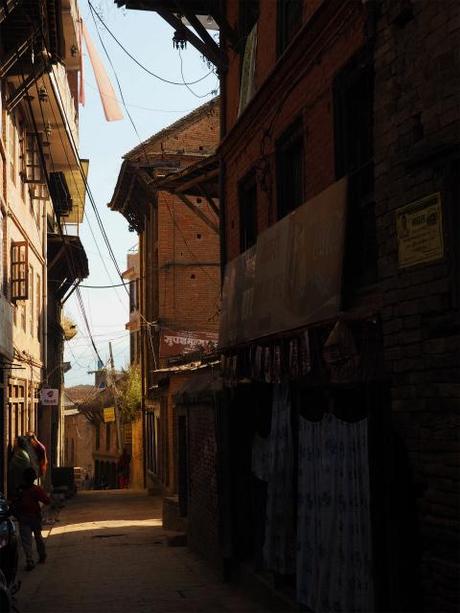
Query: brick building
x=179, y=289
x=41, y=206
x=339, y=327
x=416, y=157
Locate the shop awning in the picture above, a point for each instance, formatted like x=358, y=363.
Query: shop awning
x=292, y=277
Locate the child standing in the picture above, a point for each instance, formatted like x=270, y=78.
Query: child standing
x=26, y=508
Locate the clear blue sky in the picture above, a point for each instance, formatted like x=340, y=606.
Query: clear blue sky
x=152, y=105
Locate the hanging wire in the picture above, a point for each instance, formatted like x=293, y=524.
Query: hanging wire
x=94, y=12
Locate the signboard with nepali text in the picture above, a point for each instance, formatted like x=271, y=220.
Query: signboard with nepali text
x=419, y=231
x=292, y=277
x=180, y=342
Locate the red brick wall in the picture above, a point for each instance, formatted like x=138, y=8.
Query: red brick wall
x=188, y=259
x=310, y=98
x=203, y=511
x=199, y=135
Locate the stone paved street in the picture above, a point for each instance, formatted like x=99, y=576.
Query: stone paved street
x=108, y=553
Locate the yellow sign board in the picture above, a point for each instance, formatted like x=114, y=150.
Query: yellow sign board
x=419, y=231
x=109, y=415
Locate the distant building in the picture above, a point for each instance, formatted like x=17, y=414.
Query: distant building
x=179, y=273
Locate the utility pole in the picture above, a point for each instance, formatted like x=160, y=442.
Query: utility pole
x=115, y=397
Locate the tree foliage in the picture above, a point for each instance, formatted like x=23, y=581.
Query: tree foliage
x=130, y=398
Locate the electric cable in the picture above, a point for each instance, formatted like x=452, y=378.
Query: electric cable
x=212, y=92
x=138, y=106
x=93, y=10
x=69, y=256
x=68, y=252
x=79, y=194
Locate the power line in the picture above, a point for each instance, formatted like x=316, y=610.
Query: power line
x=78, y=191
x=104, y=286
x=68, y=253
x=213, y=92
x=93, y=10
x=138, y=106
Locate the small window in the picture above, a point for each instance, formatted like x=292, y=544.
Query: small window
x=247, y=196
x=12, y=147
x=31, y=170
x=19, y=271
x=353, y=123
x=98, y=436
x=290, y=169
x=248, y=17
x=289, y=21
x=38, y=303
x=133, y=296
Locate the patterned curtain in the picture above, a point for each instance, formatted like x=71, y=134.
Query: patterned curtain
x=279, y=546
x=333, y=530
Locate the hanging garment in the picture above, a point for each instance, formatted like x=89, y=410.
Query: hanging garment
x=333, y=523
x=279, y=546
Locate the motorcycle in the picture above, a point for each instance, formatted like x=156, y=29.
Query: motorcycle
x=8, y=558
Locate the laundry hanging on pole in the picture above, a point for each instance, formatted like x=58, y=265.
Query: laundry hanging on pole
x=112, y=110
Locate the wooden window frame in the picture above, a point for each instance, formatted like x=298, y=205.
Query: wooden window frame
x=283, y=34
x=354, y=158
x=291, y=139
x=19, y=271
x=31, y=165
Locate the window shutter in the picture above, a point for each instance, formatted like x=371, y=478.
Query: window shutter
x=32, y=170
x=19, y=271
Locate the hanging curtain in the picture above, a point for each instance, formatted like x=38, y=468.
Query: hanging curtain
x=333, y=524
x=279, y=546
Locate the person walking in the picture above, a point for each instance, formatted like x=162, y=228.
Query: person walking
x=123, y=469
x=39, y=451
x=26, y=508
x=20, y=460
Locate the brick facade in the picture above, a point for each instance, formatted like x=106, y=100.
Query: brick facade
x=417, y=131
x=203, y=508
x=285, y=93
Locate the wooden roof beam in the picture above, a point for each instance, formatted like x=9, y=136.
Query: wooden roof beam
x=217, y=58
x=214, y=227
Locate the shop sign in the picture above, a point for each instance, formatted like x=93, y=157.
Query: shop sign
x=180, y=342
x=292, y=277
x=419, y=231
x=49, y=396
x=109, y=414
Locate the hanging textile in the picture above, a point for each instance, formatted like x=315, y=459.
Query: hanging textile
x=279, y=547
x=333, y=523
x=248, y=71
x=112, y=110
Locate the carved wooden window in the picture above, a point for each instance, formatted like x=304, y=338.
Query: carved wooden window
x=19, y=271
x=31, y=169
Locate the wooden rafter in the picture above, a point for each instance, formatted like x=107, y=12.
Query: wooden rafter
x=189, y=204
x=216, y=57
x=210, y=201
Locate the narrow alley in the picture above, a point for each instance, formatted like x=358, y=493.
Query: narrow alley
x=109, y=552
